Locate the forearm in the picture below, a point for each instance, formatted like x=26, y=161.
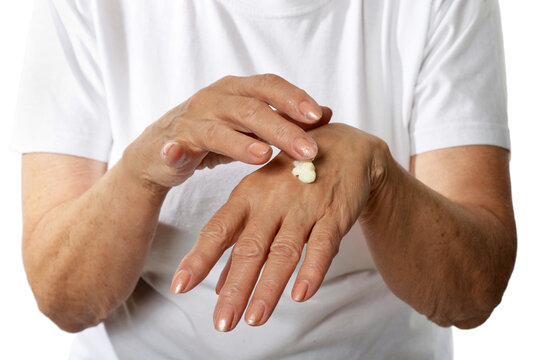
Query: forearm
x=450, y=261
x=84, y=256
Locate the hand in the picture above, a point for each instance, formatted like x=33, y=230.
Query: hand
x=228, y=120
x=269, y=217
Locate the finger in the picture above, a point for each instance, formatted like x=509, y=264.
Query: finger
x=325, y=119
x=217, y=137
x=284, y=254
x=216, y=236
x=322, y=247
x=281, y=94
x=247, y=258
x=267, y=124
x=211, y=160
x=223, y=276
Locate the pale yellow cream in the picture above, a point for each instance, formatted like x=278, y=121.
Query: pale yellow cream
x=305, y=171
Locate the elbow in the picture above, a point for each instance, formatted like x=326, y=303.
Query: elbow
x=472, y=300
x=466, y=311
x=464, y=320
x=70, y=315
x=73, y=308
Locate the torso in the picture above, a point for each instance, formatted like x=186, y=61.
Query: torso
x=349, y=55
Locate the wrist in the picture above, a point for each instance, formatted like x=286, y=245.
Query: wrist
x=384, y=177
x=138, y=183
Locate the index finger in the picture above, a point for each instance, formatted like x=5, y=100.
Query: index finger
x=216, y=236
x=280, y=94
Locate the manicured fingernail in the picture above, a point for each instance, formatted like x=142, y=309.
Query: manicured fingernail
x=167, y=147
x=255, y=312
x=180, y=282
x=305, y=148
x=172, y=153
x=258, y=150
x=225, y=318
x=299, y=290
x=310, y=110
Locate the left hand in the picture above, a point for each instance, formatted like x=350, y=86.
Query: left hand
x=269, y=217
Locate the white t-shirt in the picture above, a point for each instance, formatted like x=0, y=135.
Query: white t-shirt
x=422, y=75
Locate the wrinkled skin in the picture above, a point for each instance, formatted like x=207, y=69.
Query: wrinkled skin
x=228, y=120
x=270, y=216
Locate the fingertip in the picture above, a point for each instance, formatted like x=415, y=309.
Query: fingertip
x=305, y=148
x=181, y=281
x=260, y=152
x=255, y=314
x=172, y=152
x=300, y=290
x=224, y=318
x=327, y=115
x=311, y=111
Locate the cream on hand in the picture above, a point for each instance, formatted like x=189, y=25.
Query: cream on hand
x=305, y=171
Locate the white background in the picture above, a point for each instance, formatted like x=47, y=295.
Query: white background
x=511, y=333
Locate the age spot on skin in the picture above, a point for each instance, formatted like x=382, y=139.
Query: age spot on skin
x=305, y=171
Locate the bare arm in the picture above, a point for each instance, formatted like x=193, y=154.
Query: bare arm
x=87, y=231
x=86, y=234
x=447, y=247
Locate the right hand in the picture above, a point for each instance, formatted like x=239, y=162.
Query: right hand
x=229, y=120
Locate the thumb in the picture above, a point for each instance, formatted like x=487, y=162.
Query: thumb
x=173, y=153
x=179, y=155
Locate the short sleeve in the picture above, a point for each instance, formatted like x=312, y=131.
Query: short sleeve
x=460, y=96
x=62, y=104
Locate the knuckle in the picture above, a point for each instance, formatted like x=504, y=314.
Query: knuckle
x=264, y=80
x=191, y=104
x=248, y=249
x=267, y=288
x=314, y=270
x=302, y=94
x=251, y=108
x=282, y=132
x=325, y=242
x=211, y=133
x=298, y=95
x=225, y=84
x=231, y=291
x=228, y=79
x=239, y=195
x=286, y=249
x=195, y=261
x=216, y=232
x=197, y=103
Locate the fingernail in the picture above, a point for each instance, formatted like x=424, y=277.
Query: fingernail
x=172, y=152
x=258, y=150
x=225, y=318
x=181, y=281
x=299, y=290
x=310, y=110
x=167, y=147
x=255, y=312
x=305, y=148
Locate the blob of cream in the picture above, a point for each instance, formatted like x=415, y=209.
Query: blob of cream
x=305, y=171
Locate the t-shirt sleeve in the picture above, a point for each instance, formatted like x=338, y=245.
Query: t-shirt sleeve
x=460, y=96
x=62, y=104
